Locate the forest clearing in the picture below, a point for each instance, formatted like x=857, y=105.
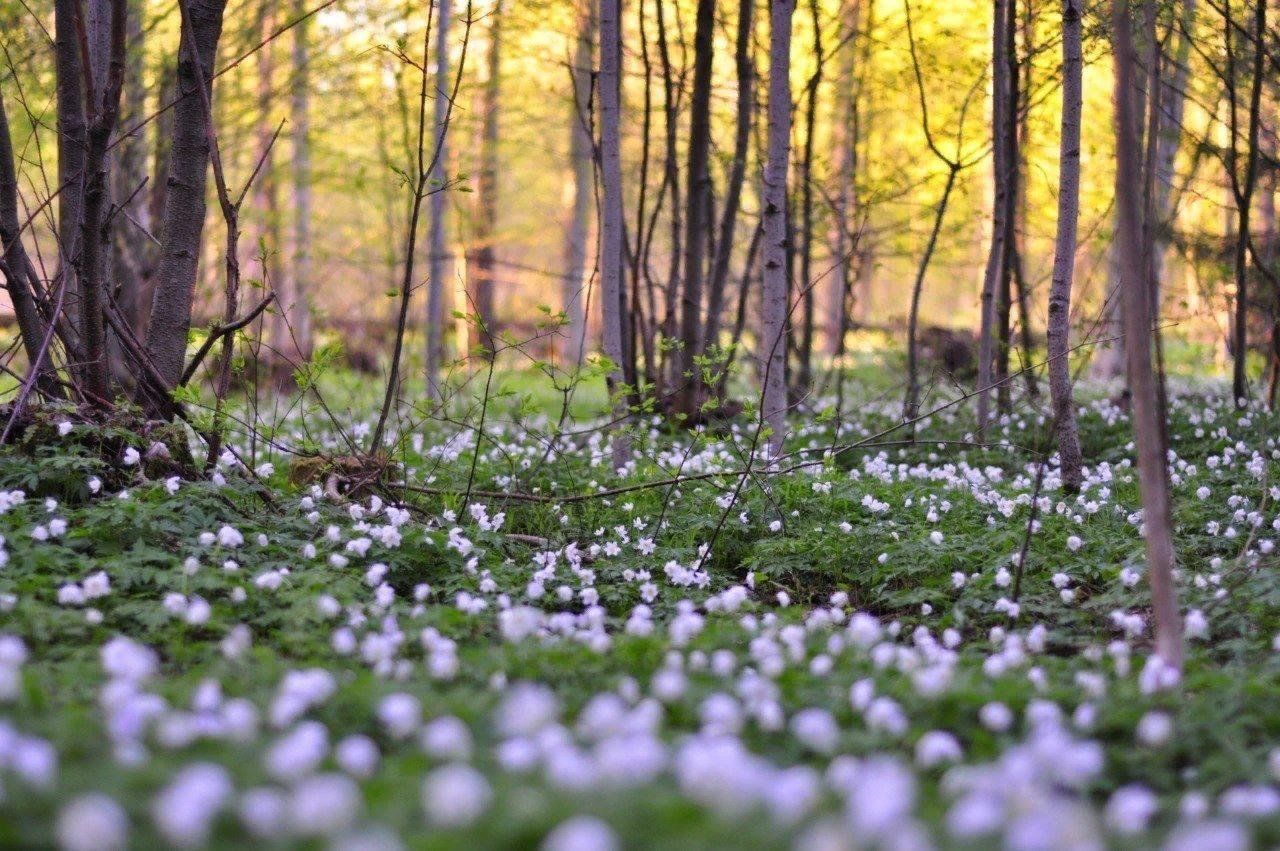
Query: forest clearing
x=639, y=424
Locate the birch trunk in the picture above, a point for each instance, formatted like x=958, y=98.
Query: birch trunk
x=297, y=312
x=481, y=266
x=995, y=273
x=574, y=285
x=1064, y=253
x=1148, y=415
x=611, y=223
x=773, y=319
x=698, y=199
x=737, y=174
x=437, y=259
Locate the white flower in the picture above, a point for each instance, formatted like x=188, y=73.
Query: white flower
x=230, y=537
x=816, y=729
x=455, y=795
x=125, y=659
x=447, y=738
x=357, y=755
x=93, y=822
x=995, y=716
x=1130, y=808
x=184, y=810
x=262, y=811
x=936, y=747
x=581, y=833
x=1155, y=728
x=324, y=804
x=131, y=456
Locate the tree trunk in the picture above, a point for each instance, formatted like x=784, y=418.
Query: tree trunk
x=184, y=210
x=437, y=261
x=1173, y=98
x=106, y=43
x=698, y=200
x=844, y=194
x=668, y=372
x=1064, y=252
x=31, y=326
x=773, y=319
x=1243, y=186
x=1148, y=415
x=73, y=146
x=611, y=223
x=574, y=284
x=737, y=173
x=995, y=270
x=804, y=374
x=264, y=247
x=296, y=312
x=133, y=253
x=480, y=268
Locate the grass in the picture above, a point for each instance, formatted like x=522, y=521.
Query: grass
x=789, y=544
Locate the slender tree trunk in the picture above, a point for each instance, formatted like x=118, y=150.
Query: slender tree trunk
x=995, y=270
x=1269, y=245
x=106, y=44
x=808, y=300
x=1064, y=252
x=264, y=246
x=773, y=319
x=844, y=194
x=1243, y=186
x=133, y=252
x=581, y=155
x=1148, y=415
x=733, y=192
x=184, y=211
x=437, y=261
x=18, y=283
x=611, y=223
x=670, y=368
x=697, y=218
x=1173, y=89
x=73, y=145
x=480, y=268
x=298, y=310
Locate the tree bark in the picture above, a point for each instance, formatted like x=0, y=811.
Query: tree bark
x=737, y=173
x=184, y=211
x=484, y=255
x=1242, y=187
x=73, y=145
x=295, y=314
x=698, y=201
x=773, y=319
x=105, y=41
x=1148, y=415
x=1064, y=252
x=437, y=262
x=581, y=155
x=31, y=326
x=844, y=194
x=994, y=273
x=611, y=223
x=804, y=373
x=133, y=253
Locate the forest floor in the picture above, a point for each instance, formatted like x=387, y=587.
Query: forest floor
x=244, y=659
